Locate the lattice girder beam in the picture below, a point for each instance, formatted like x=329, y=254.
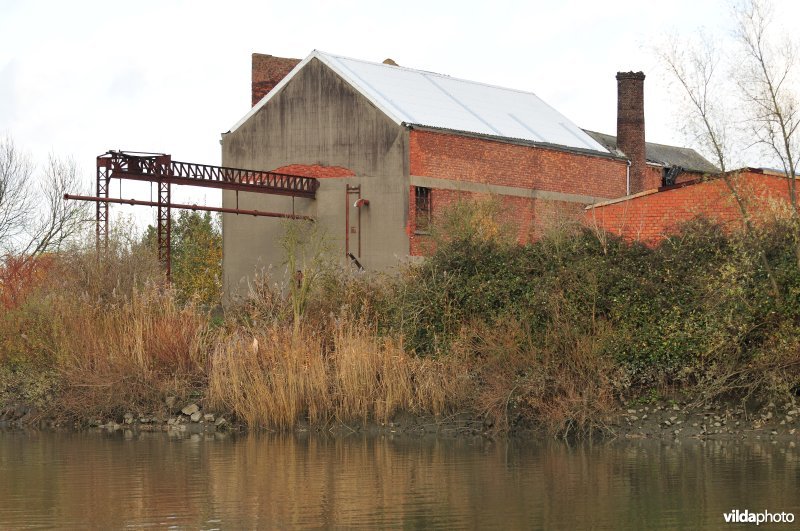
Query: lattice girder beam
x=161, y=169
x=157, y=167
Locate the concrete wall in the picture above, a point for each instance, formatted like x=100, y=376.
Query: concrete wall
x=318, y=120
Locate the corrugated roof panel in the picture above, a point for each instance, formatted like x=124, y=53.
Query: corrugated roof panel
x=686, y=158
x=417, y=97
x=425, y=98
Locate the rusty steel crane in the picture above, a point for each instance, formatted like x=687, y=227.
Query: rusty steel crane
x=161, y=169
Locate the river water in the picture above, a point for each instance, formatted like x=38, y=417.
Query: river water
x=118, y=480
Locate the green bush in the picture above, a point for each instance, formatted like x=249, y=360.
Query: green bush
x=684, y=312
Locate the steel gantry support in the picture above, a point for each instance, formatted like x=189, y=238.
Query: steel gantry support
x=101, y=228
x=161, y=169
x=164, y=226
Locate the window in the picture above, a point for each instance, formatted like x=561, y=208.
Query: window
x=422, y=198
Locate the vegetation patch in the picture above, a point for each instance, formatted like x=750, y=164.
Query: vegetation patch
x=561, y=334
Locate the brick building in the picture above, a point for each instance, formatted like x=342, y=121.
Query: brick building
x=408, y=142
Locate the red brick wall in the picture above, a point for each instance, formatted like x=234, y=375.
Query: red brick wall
x=687, y=176
x=530, y=217
x=460, y=158
x=268, y=71
x=650, y=218
x=653, y=178
x=315, y=170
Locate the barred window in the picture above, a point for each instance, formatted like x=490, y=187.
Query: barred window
x=423, y=208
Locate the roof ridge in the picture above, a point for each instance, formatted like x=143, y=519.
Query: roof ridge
x=431, y=72
x=474, y=106
x=646, y=141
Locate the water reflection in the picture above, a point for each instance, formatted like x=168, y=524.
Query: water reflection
x=261, y=481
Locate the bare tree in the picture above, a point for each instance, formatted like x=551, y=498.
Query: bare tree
x=697, y=69
x=16, y=199
x=694, y=68
x=34, y=218
x=767, y=77
x=58, y=220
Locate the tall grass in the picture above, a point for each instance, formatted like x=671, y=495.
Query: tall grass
x=268, y=378
x=130, y=356
x=275, y=377
x=111, y=331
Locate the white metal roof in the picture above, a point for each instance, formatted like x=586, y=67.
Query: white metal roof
x=416, y=97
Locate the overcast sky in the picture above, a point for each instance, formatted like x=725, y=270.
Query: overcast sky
x=79, y=78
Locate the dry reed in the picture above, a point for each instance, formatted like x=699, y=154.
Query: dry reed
x=129, y=355
x=275, y=377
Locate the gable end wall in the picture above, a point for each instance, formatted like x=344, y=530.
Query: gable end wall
x=318, y=119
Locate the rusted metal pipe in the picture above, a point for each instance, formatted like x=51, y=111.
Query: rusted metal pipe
x=188, y=207
x=351, y=190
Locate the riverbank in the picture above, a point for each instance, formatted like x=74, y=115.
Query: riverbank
x=575, y=335
x=672, y=420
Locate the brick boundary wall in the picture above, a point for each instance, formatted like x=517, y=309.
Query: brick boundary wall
x=652, y=216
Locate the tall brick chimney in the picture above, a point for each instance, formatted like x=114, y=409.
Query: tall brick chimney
x=630, y=125
x=268, y=71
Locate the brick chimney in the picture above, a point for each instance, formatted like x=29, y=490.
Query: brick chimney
x=630, y=125
x=268, y=71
